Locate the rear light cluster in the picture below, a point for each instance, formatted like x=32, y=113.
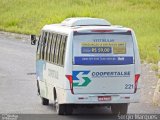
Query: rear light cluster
x=136, y=82
x=69, y=77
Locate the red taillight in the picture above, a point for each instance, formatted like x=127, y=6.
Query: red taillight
x=102, y=30
x=69, y=77
x=136, y=82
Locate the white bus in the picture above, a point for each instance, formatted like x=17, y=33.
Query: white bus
x=87, y=62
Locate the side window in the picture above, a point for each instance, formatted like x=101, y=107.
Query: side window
x=41, y=44
x=53, y=46
x=38, y=44
x=57, y=49
x=44, y=45
x=62, y=50
x=38, y=48
x=49, y=48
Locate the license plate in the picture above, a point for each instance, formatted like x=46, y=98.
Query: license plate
x=104, y=98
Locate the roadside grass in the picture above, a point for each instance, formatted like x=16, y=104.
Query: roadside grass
x=29, y=16
x=155, y=67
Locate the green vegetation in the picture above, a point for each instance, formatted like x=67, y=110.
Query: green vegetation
x=154, y=67
x=28, y=16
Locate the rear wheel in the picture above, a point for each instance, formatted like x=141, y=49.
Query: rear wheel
x=119, y=108
x=45, y=101
x=60, y=108
x=68, y=109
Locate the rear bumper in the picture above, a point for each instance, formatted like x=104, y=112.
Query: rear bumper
x=93, y=98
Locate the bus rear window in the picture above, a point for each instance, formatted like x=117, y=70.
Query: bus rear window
x=103, y=49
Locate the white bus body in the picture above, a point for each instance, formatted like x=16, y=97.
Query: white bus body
x=87, y=61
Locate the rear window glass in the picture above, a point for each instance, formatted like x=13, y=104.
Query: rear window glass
x=103, y=49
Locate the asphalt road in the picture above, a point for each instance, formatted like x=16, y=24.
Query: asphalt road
x=18, y=84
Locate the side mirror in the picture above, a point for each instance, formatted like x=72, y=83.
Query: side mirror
x=33, y=40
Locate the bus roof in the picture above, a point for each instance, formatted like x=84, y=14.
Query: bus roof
x=67, y=30
x=82, y=24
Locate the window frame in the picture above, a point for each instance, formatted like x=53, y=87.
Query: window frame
x=41, y=45
x=46, y=46
x=57, y=49
x=54, y=39
x=38, y=47
x=62, y=50
x=52, y=47
x=49, y=47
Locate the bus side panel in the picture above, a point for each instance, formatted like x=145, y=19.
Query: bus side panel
x=54, y=76
x=137, y=59
x=40, y=65
x=68, y=60
x=62, y=94
x=42, y=87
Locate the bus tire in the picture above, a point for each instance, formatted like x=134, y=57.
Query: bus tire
x=124, y=108
x=114, y=109
x=119, y=108
x=68, y=109
x=60, y=108
x=45, y=101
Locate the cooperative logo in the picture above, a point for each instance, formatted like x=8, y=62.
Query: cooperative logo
x=111, y=74
x=80, y=78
